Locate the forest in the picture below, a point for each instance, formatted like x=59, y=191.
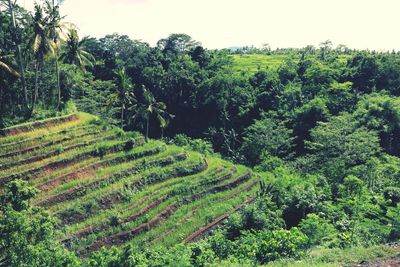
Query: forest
x=319, y=125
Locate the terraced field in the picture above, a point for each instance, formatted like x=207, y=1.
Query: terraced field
x=108, y=187
x=251, y=63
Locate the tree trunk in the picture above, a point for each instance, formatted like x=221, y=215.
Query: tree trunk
x=162, y=132
x=58, y=84
x=36, y=92
x=147, y=128
x=122, y=116
x=19, y=54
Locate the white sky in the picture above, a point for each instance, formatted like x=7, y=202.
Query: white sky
x=373, y=24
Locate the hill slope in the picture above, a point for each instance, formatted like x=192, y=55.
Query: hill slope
x=108, y=187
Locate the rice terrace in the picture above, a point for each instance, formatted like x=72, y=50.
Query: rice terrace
x=109, y=187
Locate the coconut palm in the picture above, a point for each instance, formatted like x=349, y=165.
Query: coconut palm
x=124, y=95
x=6, y=67
x=74, y=52
x=57, y=32
x=10, y=6
x=41, y=45
x=147, y=106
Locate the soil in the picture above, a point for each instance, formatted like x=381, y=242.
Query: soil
x=388, y=262
x=35, y=125
x=122, y=237
x=206, y=228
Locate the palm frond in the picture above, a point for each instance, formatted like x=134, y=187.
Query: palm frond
x=8, y=69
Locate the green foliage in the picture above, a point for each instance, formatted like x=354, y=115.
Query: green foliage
x=339, y=144
x=268, y=163
x=18, y=194
x=382, y=114
x=351, y=187
x=27, y=235
x=265, y=246
x=266, y=136
x=197, y=145
x=262, y=215
x=319, y=231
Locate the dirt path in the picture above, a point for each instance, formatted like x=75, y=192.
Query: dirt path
x=389, y=262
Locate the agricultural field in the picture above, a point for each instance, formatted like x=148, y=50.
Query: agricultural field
x=108, y=187
x=251, y=63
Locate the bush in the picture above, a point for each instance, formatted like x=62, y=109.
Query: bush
x=198, y=145
x=129, y=144
x=265, y=246
x=319, y=230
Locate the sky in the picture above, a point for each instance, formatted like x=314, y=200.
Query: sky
x=361, y=24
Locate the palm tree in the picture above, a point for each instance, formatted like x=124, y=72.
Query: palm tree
x=124, y=95
x=57, y=29
x=10, y=5
x=6, y=67
x=146, y=106
x=41, y=45
x=74, y=52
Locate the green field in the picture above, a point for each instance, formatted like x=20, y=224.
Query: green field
x=251, y=63
x=108, y=187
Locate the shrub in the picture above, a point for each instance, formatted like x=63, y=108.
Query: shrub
x=129, y=144
x=393, y=194
x=198, y=145
x=265, y=246
x=319, y=230
x=100, y=150
x=114, y=220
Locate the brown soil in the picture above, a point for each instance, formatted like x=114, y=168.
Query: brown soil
x=122, y=237
x=87, y=171
x=81, y=190
x=91, y=228
x=206, y=228
x=52, y=166
x=389, y=262
x=51, y=143
x=35, y=125
x=53, y=153
x=38, y=138
x=233, y=194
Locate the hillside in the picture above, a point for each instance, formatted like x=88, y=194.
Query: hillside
x=108, y=187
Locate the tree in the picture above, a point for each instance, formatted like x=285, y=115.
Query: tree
x=146, y=106
x=74, y=52
x=177, y=43
x=306, y=118
x=41, y=44
x=340, y=144
x=28, y=235
x=325, y=48
x=11, y=5
x=124, y=94
x=57, y=28
x=363, y=70
x=382, y=114
x=266, y=135
x=6, y=67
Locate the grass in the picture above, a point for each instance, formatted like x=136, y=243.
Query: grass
x=323, y=257
x=251, y=63
x=248, y=64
